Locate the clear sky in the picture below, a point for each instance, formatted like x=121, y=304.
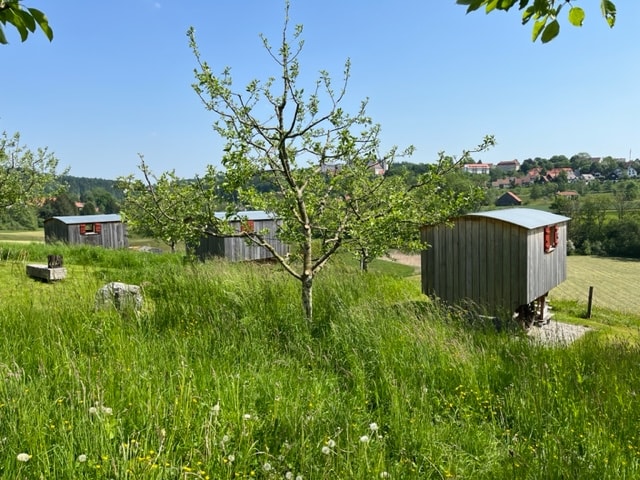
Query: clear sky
x=116, y=80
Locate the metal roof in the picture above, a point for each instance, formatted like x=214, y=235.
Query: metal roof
x=76, y=219
x=247, y=214
x=529, y=218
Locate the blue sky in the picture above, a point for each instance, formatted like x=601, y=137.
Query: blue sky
x=116, y=80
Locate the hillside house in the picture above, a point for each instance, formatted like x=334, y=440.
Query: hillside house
x=477, y=168
x=106, y=231
x=236, y=249
x=502, y=261
x=510, y=166
x=508, y=199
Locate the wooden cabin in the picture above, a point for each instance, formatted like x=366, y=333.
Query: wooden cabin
x=501, y=261
x=237, y=249
x=106, y=231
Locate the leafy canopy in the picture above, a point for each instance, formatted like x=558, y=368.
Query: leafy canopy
x=543, y=13
x=24, y=19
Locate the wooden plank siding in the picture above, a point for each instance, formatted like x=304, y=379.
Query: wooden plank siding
x=492, y=263
x=237, y=249
x=112, y=234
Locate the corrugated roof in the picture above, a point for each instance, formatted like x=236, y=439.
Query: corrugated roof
x=529, y=218
x=75, y=219
x=249, y=215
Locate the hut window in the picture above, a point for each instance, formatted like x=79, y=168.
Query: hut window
x=90, y=229
x=551, y=237
x=247, y=226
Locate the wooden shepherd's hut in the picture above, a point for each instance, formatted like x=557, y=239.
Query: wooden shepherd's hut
x=237, y=249
x=99, y=230
x=501, y=261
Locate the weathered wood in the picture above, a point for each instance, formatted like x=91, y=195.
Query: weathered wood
x=496, y=263
x=43, y=272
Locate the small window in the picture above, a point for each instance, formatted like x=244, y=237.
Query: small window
x=551, y=238
x=90, y=229
x=247, y=226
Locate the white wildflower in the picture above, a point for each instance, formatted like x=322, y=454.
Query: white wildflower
x=384, y=475
x=247, y=416
x=373, y=427
x=82, y=458
x=326, y=450
x=266, y=467
x=23, y=457
x=364, y=439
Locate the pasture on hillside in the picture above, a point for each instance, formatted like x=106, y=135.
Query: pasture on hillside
x=615, y=282
x=220, y=376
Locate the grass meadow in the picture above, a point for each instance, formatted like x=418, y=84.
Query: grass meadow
x=219, y=376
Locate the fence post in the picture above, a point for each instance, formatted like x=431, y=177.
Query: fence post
x=590, y=302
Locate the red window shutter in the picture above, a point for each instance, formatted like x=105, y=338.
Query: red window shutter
x=547, y=239
x=97, y=228
x=556, y=236
x=248, y=226
x=83, y=229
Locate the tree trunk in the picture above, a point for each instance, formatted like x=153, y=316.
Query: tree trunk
x=307, y=296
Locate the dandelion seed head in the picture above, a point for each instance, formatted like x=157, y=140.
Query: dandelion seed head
x=93, y=410
x=231, y=458
x=288, y=475
x=373, y=427
x=23, y=457
x=106, y=410
x=247, y=416
x=331, y=443
x=216, y=409
x=364, y=439
x=326, y=450
x=266, y=467
x=82, y=458
x=225, y=438
x=384, y=474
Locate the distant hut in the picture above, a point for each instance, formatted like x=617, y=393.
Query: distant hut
x=509, y=199
x=502, y=261
x=99, y=230
x=238, y=249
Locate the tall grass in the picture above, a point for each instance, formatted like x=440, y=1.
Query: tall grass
x=220, y=376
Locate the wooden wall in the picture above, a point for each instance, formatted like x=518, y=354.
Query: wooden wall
x=494, y=264
x=237, y=249
x=112, y=234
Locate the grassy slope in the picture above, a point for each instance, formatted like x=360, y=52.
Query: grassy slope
x=220, y=377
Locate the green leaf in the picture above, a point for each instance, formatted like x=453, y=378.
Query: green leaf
x=527, y=14
x=576, y=16
x=41, y=19
x=608, y=11
x=550, y=31
x=537, y=27
x=3, y=39
x=491, y=5
x=27, y=19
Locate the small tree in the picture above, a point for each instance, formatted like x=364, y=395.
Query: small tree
x=25, y=176
x=160, y=207
x=316, y=157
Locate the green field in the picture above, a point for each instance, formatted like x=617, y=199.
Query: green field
x=615, y=283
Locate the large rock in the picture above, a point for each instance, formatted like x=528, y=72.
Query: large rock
x=122, y=296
